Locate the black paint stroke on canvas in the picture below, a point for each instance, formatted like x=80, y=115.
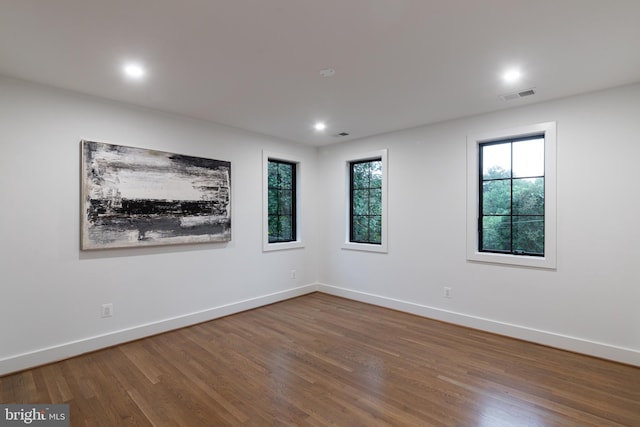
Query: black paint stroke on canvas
x=138, y=197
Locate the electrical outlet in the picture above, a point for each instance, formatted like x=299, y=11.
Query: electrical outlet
x=447, y=292
x=107, y=310
x=293, y=274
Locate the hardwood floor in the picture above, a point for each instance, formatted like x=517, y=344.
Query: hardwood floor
x=320, y=360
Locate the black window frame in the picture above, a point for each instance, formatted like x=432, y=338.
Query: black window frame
x=293, y=215
x=511, y=215
x=352, y=215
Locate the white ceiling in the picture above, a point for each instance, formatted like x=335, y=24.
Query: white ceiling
x=255, y=64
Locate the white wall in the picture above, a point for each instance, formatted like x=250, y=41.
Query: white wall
x=51, y=292
x=591, y=303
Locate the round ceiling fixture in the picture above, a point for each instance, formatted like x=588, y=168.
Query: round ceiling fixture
x=327, y=72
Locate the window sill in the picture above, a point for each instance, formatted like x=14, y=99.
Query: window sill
x=514, y=260
x=268, y=247
x=365, y=247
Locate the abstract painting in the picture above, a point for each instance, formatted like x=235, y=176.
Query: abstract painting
x=139, y=197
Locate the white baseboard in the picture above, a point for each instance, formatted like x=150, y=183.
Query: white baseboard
x=74, y=348
x=551, y=339
x=70, y=349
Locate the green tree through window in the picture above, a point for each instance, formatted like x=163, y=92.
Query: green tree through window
x=366, y=201
x=281, y=201
x=512, y=196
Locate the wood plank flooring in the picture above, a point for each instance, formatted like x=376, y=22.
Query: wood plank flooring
x=320, y=360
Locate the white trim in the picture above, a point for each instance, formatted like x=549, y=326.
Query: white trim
x=549, y=259
x=384, y=155
x=551, y=339
x=74, y=348
x=77, y=347
x=298, y=243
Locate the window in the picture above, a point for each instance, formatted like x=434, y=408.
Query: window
x=365, y=187
x=511, y=197
x=280, y=202
x=367, y=202
x=511, y=201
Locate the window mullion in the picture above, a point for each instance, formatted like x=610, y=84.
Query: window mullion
x=511, y=199
x=279, y=204
x=278, y=236
x=369, y=213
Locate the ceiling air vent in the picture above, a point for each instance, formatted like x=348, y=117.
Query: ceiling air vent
x=518, y=95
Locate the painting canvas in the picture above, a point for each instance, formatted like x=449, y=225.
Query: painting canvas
x=139, y=197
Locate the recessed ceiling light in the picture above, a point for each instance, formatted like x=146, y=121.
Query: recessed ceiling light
x=134, y=71
x=512, y=76
x=320, y=126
